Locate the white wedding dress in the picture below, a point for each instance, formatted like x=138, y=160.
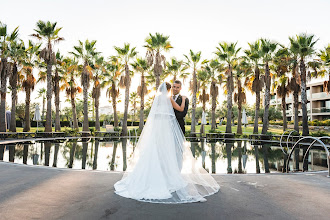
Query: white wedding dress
x=162, y=168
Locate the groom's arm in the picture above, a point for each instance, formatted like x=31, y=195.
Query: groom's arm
x=184, y=112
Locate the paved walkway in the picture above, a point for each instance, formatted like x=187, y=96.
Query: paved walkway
x=37, y=192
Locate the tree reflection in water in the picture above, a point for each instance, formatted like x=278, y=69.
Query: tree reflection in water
x=57, y=147
x=113, y=159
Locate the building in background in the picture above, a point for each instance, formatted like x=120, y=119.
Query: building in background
x=318, y=103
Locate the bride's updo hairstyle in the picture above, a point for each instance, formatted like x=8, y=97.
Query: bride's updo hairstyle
x=168, y=86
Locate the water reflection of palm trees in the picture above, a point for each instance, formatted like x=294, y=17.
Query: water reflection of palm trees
x=113, y=160
x=57, y=147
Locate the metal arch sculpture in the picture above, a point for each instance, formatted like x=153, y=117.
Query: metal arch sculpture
x=315, y=140
x=287, y=140
x=326, y=149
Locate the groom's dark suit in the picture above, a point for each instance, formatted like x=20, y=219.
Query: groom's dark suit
x=180, y=115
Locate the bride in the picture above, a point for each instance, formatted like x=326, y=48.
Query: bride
x=162, y=168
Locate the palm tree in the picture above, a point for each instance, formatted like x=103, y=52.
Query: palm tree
x=175, y=68
x=29, y=81
x=282, y=91
x=5, y=40
x=17, y=52
x=141, y=65
x=58, y=76
x=125, y=54
x=98, y=78
x=257, y=83
x=203, y=77
x=242, y=69
x=192, y=62
x=214, y=68
x=267, y=50
x=113, y=72
x=227, y=52
x=281, y=66
x=324, y=55
x=133, y=99
x=155, y=45
x=48, y=32
x=70, y=85
x=42, y=94
x=86, y=52
x=303, y=46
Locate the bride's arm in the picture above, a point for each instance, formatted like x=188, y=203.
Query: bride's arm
x=178, y=107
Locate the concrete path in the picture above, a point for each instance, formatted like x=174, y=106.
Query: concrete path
x=37, y=192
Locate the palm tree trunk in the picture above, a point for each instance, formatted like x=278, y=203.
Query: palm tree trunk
x=141, y=124
x=256, y=117
x=229, y=100
x=48, y=125
x=158, y=69
x=239, y=100
x=74, y=110
x=304, y=98
x=239, y=120
x=127, y=84
x=13, y=84
x=97, y=116
x=85, y=94
x=57, y=102
x=296, y=112
x=27, y=109
x=267, y=100
x=193, y=105
x=114, y=107
x=3, y=89
x=284, y=113
x=214, y=103
x=43, y=107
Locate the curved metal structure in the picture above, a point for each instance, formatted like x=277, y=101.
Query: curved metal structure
x=287, y=140
x=314, y=141
x=326, y=149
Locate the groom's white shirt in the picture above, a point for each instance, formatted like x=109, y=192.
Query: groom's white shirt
x=175, y=97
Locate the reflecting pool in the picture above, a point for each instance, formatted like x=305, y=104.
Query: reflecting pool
x=215, y=157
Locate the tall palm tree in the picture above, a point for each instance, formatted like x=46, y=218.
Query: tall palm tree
x=42, y=94
x=5, y=40
x=303, y=46
x=267, y=52
x=17, y=52
x=29, y=81
x=156, y=44
x=86, y=52
x=324, y=55
x=241, y=70
x=192, y=63
x=257, y=82
x=98, y=78
x=175, y=68
x=214, y=67
x=282, y=91
x=227, y=52
x=112, y=77
x=48, y=32
x=58, y=76
x=203, y=77
x=141, y=66
x=126, y=54
x=282, y=61
x=70, y=85
x=133, y=99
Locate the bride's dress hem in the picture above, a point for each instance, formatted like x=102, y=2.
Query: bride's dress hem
x=158, y=202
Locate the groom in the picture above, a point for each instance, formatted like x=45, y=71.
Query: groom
x=176, y=88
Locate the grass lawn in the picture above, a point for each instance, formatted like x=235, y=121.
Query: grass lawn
x=246, y=130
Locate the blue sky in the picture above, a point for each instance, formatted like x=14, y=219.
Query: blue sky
x=196, y=25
